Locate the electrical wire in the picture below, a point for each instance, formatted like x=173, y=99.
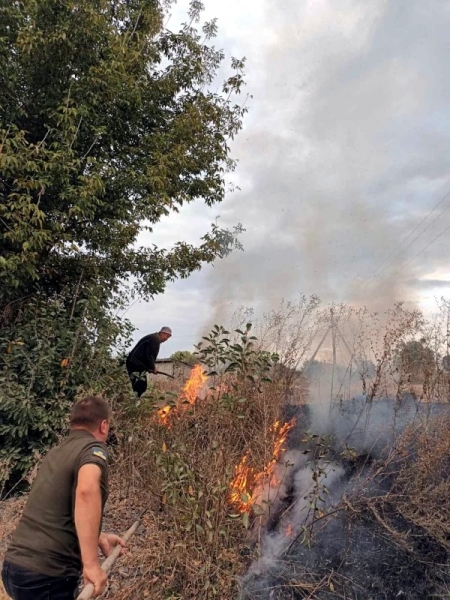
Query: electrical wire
x=423, y=249
x=391, y=257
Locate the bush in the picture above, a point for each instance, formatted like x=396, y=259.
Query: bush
x=49, y=355
x=185, y=467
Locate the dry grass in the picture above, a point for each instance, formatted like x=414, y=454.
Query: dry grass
x=419, y=470
x=190, y=547
x=183, y=472
x=424, y=483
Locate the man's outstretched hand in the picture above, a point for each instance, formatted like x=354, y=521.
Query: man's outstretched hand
x=107, y=542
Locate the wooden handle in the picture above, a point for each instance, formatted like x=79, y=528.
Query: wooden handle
x=88, y=590
x=166, y=374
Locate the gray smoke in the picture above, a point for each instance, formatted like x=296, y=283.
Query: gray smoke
x=343, y=152
x=371, y=565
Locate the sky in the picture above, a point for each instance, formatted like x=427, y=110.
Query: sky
x=343, y=163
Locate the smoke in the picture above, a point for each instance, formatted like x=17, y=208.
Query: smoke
x=334, y=455
x=341, y=156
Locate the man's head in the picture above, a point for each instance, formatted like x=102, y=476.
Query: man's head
x=164, y=334
x=93, y=414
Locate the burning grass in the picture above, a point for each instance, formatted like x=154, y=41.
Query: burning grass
x=390, y=522
x=228, y=481
x=195, y=543
x=368, y=522
x=251, y=487
x=188, y=395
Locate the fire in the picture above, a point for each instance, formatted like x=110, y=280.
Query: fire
x=246, y=479
x=240, y=495
x=194, y=384
x=190, y=392
x=164, y=413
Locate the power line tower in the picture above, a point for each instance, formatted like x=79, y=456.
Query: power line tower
x=336, y=334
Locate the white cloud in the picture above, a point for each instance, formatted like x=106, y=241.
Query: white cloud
x=345, y=150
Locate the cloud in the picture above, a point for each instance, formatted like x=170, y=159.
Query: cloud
x=429, y=284
x=343, y=154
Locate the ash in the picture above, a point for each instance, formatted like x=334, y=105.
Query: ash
x=339, y=529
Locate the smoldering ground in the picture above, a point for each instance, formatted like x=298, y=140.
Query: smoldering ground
x=336, y=528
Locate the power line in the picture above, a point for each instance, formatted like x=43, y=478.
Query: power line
x=423, y=249
x=364, y=283
x=387, y=260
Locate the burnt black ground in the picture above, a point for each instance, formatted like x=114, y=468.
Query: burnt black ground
x=351, y=555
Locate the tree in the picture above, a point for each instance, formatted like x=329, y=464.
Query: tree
x=107, y=124
x=416, y=360
x=184, y=356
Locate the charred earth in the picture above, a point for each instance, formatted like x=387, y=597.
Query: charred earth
x=364, y=510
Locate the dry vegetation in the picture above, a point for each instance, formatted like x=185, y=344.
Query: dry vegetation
x=193, y=543
x=183, y=470
x=188, y=545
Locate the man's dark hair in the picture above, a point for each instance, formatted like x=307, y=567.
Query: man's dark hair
x=90, y=412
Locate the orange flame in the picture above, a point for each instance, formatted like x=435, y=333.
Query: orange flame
x=190, y=392
x=246, y=479
x=164, y=413
x=240, y=495
x=194, y=384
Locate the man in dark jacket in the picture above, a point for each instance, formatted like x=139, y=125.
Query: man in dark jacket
x=142, y=359
x=59, y=533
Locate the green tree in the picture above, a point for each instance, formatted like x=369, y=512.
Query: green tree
x=417, y=360
x=107, y=124
x=184, y=356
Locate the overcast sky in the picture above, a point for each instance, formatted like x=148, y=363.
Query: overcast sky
x=345, y=151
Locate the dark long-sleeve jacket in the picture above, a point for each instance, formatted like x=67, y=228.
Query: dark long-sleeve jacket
x=145, y=353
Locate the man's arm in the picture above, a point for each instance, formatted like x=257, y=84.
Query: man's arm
x=88, y=514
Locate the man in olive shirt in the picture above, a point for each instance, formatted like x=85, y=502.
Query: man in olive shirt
x=59, y=533
x=142, y=359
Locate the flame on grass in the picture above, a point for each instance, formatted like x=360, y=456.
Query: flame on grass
x=193, y=385
x=188, y=395
x=248, y=485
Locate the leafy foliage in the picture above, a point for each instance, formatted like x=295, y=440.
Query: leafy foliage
x=184, y=356
x=221, y=355
x=46, y=359
x=416, y=359
x=106, y=125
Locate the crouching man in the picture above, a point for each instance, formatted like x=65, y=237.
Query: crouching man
x=59, y=533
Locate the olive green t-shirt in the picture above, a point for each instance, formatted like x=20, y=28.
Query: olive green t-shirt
x=45, y=540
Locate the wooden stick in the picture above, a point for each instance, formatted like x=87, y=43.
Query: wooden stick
x=88, y=590
x=166, y=374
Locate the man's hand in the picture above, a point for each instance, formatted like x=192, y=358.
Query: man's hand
x=95, y=575
x=155, y=371
x=107, y=541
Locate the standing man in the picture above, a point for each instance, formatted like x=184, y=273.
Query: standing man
x=142, y=359
x=59, y=533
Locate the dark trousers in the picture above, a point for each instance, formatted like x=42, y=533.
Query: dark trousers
x=21, y=584
x=138, y=378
